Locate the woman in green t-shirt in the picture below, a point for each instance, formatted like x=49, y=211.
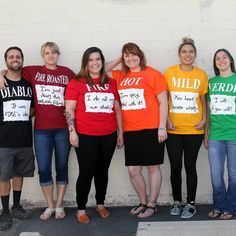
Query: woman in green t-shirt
x=220, y=135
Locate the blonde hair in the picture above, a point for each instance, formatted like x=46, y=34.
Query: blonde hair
x=52, y=45
x=187, y=41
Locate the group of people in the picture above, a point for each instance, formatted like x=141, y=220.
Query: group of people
x=102, y=108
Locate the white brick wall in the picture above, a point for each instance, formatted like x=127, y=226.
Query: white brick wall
x=156, y=25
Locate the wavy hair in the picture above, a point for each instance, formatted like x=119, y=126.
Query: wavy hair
x=133, y=49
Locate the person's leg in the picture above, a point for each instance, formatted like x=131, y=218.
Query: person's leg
x=7, y=157
x=6, y=218
x=139, y=184
x=59, y=209
x=62, y=151
x=17, y=211
x=87, y=155
x=23, y=167
x=5, y=189
x=230, y=198
x=192, y=144
x=43, y=141
x=155, y=179
x=216, y=156
x=17, y=183
x=174, y=146
x=107, y=146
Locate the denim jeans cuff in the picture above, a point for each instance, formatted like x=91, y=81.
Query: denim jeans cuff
x=61, y=182
x=45, y=184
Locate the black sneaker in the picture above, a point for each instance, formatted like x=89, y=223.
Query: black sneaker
x=5, y=221
x=19, y=212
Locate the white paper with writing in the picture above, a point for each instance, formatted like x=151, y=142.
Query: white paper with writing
x=16, y=110
x=132, y=99
x=222, y=105
x=99, y=102
x=50, y=95
x=184, y=102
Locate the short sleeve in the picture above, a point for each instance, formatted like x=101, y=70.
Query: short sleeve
x=72, y=90
x=204, y=84
x=116, y=74
x=26, y=73
x=116, y=94
x=158, y=82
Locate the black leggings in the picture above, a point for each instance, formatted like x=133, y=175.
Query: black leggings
x=94, y=156
x=189, y=145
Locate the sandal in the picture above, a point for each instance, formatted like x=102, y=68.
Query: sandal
x=226, y=216
x=147, y=212
x=103, y=212
x=136, y=210
x=47, y=214
x=214, y=214
x=60, y=213
x=83, y=218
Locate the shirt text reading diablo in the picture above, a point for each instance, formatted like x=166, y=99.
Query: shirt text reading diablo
x=15, y=121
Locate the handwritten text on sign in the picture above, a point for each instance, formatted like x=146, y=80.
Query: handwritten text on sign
x=17, y=110
x=99, y=102
x=132, y=99
x=184, y=102
x=50, y=95
x=222, y=105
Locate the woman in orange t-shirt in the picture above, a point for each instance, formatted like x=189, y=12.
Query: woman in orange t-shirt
x=143, y=96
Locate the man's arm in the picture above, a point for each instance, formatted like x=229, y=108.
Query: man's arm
x=3, y=82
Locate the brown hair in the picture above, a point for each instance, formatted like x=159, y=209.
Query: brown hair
x=134, y=49
x=84, y=73
x=216, y=70
x=187, y=41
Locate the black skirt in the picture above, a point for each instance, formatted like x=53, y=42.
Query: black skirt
x=142, y=148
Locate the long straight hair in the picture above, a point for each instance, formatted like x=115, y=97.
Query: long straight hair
x=217, y=71
x=84, y=72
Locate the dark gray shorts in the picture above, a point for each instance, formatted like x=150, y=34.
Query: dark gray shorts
x=17, y=162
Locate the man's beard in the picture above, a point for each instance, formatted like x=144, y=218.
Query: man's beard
x=14, y=66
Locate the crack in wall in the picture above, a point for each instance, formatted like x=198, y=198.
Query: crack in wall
x=205, y=4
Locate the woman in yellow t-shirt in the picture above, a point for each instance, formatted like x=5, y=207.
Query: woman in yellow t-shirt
x=187, y=87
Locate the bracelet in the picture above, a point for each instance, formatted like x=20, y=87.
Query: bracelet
x=161, y=128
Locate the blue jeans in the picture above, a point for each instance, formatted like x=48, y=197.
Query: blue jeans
x=45, y=141
x=224, y=198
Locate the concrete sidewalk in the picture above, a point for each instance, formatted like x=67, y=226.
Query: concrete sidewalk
x=120, y=223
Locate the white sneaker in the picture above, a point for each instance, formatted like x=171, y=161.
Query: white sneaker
x=176, y=208
x=188, y=211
